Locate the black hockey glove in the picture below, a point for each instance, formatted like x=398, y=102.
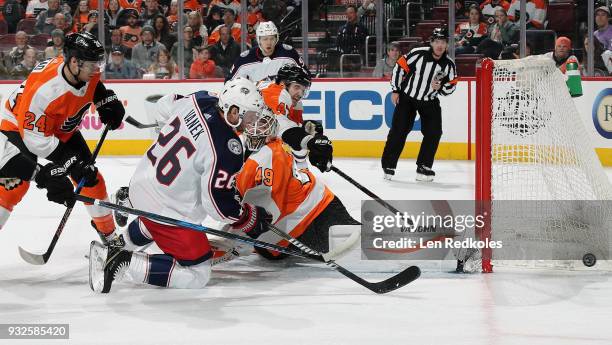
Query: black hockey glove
x=69, y=161
x=253, y=221
x=54, y=179
x=83, y=170
x=110, y=109
x=320, y=154
x=313, y=127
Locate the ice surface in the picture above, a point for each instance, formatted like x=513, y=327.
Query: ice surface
x=250, y=301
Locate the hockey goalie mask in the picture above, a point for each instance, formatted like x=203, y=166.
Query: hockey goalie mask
x=242, y=94
x=257, y=132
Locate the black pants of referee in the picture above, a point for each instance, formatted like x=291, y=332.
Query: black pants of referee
x=403, y=121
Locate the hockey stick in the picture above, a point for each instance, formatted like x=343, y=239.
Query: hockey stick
x=196, y=227
x=132, y=121
x=403, y=278
x=395, y=282
x=368, y=192
x=41, y=259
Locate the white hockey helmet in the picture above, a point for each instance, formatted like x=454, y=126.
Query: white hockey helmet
x=242, y=94
x=266, y=29
x=258, y=132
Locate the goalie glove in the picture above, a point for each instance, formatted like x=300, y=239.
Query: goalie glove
x=253, y=221
x=110, y=109
x=53, y=178
x=320, y=154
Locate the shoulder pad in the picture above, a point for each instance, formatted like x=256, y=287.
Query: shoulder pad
x=287, y=47
x=244, y=53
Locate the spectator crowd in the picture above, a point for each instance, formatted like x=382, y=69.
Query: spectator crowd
x=142, y=35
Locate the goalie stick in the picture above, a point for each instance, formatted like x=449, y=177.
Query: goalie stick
x=41, y=259
x=368, y=192
x=132, y=121
x=403, y=278
x=390, y=284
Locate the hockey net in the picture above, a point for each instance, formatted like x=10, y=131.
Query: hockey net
x=536, y=164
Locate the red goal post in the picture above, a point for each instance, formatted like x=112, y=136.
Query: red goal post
x=532, y=145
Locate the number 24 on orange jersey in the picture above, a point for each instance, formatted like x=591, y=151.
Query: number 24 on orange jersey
x=40, y=124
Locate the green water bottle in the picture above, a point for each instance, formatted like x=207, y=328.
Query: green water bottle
x=574, y=81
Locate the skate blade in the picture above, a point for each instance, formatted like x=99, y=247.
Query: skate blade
x=97, y=261
x=424, y=178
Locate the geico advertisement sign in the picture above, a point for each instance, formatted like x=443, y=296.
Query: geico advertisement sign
x=364, y=111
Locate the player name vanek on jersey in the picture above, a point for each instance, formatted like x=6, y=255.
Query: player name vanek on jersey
x=194, y=124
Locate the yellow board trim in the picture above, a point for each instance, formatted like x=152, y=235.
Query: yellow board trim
x=121, y=147
x=342, y=148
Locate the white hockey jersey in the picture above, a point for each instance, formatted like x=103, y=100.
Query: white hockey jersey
x=254, y=65
x=188, y=173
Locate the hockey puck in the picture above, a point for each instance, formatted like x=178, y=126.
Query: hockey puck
x=368, y=216
x=589, y=260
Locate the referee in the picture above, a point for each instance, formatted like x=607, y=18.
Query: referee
x=418, y=78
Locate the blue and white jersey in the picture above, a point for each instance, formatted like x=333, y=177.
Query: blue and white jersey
x=188, y=173
x=254, y=65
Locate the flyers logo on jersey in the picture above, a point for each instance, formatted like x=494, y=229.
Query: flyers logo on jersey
x=73, y=121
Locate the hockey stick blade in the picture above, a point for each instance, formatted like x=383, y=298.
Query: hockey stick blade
x=132, y=121
x=33, y=259
x=399, y=280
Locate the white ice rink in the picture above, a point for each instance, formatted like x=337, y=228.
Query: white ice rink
x=250, y=301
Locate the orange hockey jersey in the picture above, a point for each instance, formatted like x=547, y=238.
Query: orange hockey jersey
x=270, y=179
x=45, y=108
x=279, y=101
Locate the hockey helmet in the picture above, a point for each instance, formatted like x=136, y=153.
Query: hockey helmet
x=258, y=132
x=244, y=95
x=84, y=46
x=291, y=73
x=266, y=29
x=439, y=34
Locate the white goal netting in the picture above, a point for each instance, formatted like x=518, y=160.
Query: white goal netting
x=543, y=160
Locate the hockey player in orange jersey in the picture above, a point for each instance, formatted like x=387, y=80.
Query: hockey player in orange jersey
x=45, y=112
x=283, y=97
x=284, y=94
x=300, y=204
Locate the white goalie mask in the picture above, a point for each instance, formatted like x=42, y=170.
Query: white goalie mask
x=257, y=133
x=242, y=94
x=266, y=29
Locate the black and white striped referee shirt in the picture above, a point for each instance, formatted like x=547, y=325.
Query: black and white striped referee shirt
x=414, y=72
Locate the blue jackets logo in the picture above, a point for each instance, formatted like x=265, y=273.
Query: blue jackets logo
x=602, y=113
